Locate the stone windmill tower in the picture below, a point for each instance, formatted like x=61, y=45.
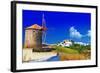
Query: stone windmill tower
x=33, y=36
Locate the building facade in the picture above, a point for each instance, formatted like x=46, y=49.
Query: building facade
x=33, y=37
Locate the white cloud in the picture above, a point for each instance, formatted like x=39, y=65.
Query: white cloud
x=89, y=33
x=74, y=33
x=82, y=43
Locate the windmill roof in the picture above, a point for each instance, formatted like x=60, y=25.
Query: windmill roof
x=34, y=26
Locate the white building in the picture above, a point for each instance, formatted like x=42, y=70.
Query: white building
x=65, y=43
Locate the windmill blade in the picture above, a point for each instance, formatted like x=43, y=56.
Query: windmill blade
x=43, y=21
x=44, y=37
x=44, y=26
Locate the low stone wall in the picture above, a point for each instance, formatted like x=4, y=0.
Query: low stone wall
x=28, y=55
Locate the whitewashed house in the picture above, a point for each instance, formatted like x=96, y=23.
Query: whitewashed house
x=65, y=43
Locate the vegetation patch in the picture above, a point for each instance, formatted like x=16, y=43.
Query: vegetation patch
x=65, y=50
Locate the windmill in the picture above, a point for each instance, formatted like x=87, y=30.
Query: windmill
x=35, y=35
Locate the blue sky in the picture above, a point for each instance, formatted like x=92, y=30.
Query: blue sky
x=60, y=25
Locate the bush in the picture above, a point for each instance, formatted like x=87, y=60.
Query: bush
x=80, y=48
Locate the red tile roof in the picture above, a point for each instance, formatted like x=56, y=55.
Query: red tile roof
x=36, y=26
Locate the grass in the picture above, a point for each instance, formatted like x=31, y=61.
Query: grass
x=65, y=50
x=64, y=56
x=67, y=53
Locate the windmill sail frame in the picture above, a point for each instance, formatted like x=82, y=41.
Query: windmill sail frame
x=44, y=26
